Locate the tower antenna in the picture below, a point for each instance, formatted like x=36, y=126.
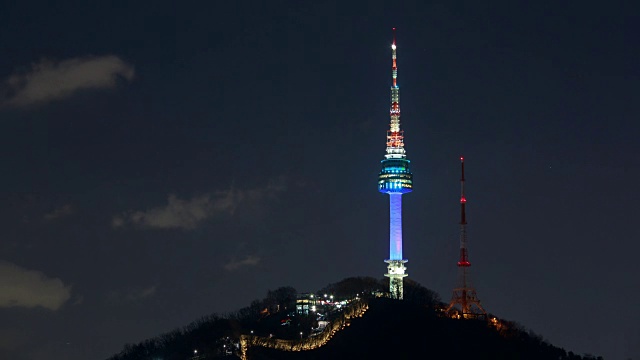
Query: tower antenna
x=464, y=296
x=395, y=179
x=394, y=36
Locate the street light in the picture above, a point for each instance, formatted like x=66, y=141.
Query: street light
x=300, y=335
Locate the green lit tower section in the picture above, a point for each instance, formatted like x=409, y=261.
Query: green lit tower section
x=395, y=179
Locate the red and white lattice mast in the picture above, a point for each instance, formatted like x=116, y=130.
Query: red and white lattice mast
x=464, y=302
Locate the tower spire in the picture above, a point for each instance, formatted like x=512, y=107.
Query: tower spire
x=464, y=296
x=395, y=179
x=394, y=67
x=395, y=136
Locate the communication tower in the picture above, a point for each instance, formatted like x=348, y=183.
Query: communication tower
x=395, y=179
x=464, y=296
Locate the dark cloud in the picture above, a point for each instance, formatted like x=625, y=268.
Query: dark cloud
x=187, y=214
x=234, y=264
x=132, y=294
x=30, y=288
x=178, y=213
x=58, y=213
x=48, y=80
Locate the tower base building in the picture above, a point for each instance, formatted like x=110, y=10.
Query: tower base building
x=396, y=275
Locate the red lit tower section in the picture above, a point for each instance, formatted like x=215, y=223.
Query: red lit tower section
x=464, y=302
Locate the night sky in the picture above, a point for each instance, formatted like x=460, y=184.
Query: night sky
x=165, y=161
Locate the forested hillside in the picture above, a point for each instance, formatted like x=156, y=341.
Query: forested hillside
x=405, y=328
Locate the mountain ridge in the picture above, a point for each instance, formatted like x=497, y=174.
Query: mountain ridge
x=413, y=327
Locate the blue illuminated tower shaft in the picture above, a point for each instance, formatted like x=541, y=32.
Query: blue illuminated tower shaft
x=395, y=226
x=395, y=179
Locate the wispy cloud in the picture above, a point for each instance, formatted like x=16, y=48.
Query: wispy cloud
x=178, y=213
x=234, y=264
x=49, y=80
x=142, y=293
x=58, y=213
x=187, y=214
x=20, y=287
x=132, y=294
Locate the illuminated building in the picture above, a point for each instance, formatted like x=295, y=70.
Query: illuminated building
x=395, y=179
x=306, y=303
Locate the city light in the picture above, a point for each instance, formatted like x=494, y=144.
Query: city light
x=355, y=310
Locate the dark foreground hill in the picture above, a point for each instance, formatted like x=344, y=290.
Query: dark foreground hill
x=404, y=330
x=412, y=328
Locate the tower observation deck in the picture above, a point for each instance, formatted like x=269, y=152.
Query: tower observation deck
x=395, y=179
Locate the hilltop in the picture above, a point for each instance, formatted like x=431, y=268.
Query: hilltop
x=410, y=328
